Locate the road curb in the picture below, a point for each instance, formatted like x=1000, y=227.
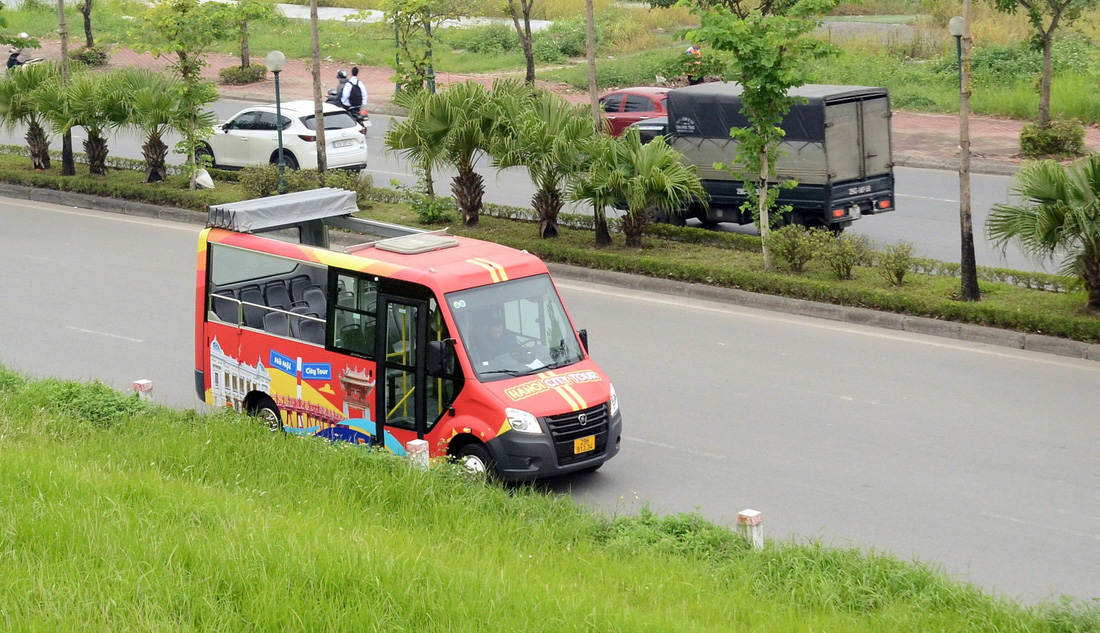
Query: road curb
x=976, y=167
x=854, y=315
x=801, y=307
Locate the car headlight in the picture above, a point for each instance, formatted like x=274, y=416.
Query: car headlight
x=522, y=421
x=613, y=402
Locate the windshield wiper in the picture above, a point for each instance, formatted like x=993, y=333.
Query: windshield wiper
x=510, y=372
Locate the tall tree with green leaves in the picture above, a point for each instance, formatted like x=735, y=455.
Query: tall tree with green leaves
x=93, y=101
x=17, y=107
x=769, y=55
x=524, y=32
x=1058, y=215
x=1045, y=17
x=641, y=179
x=409, y=138
x=552, y=139
x=413, y=21
x=243, y=12
x=740, y=8
x=186, y=30
x=152, y=102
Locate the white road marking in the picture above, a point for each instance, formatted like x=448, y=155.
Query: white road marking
x=910, y=195
x=673, y=447
x=836, y=326
x=107, y=334
x=103, y=215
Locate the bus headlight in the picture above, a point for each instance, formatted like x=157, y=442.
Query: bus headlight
x=522, y=421
x=613, y=402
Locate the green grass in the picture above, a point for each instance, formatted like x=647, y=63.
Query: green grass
x=118, y=516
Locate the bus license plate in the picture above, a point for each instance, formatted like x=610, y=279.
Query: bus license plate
x=343, y=143
x=584, y=444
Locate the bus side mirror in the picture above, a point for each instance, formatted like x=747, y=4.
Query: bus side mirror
x=583, y=334
x=439, y=357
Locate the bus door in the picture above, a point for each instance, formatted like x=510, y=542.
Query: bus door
x=402, y=359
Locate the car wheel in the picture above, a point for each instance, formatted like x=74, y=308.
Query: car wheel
x=288, y=160
x=268, y=413
x=204, y=154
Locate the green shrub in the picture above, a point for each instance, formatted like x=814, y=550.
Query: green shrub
x=494, y=39
x=260, y=182
x=845, y=252
x=93, y=57
x=240, y=75
x=793, y=246
x=1059, y=138
x=894, y=262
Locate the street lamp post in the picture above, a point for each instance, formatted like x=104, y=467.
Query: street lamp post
x=276, y=62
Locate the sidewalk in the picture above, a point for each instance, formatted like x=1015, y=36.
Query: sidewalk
x=919, y=139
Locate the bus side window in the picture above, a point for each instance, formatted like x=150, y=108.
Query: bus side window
x=355, y=314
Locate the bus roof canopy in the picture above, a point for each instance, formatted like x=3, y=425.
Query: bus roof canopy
x=262, y=214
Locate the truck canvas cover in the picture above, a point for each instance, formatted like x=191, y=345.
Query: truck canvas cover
x=710, y=110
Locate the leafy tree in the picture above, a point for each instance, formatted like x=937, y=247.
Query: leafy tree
x=740, y=8
x=244, y=11
x=524, y=32
x=86, y=11
x=769, y=56
x=17, y=107
x=186, y=30
x=412, y=21
x=1045, y=17
x=552, y=139
x=152, y=103
x=1058, y=216
x=640, y=179
x=93, y=101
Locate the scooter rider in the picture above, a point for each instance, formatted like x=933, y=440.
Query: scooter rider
x=354, y=93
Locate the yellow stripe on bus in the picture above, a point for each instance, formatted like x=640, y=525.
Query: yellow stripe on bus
x=489, y=267
x=565, y=394
x=500, y=269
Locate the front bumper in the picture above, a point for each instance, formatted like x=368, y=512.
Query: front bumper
x=524, y=457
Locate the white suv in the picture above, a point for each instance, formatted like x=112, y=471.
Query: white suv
x=251, y=138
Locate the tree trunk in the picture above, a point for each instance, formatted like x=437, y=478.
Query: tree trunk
x=244, y=44
x=633, y=224
x=547, y=203
x=1090, y=273
x=87, y=11
x=969, y=268
x=524, y=33
x=318, y=102
x=1044, y=83
x=95, y=146
x=603, y=233
x=762, y=201
x=429, y=182
x=468, y=188
x=590, y=40
x=39, y=144
x=155, y=153
x=68, y=163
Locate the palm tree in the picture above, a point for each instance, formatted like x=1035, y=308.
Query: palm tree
x=458, y=125
x=16, y=107
x=642, y=179
x=1058, y=215
x=409, y=139
x=553, y=140
x=153, y=106
x=93, y=101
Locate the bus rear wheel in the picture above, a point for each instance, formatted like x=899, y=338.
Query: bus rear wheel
x=268, y=412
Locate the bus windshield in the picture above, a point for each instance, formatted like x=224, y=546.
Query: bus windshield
x=514, y=328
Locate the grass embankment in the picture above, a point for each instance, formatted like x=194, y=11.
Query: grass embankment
x=681, y=253
x=120, y=516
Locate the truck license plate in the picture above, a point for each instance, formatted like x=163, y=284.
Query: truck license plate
x=344, y=143
x=584, y=444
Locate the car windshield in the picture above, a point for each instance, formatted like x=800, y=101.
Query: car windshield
x=333, y=121
x=514, y=328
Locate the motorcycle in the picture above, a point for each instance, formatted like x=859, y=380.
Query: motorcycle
x=359, y=114
x=14, y=60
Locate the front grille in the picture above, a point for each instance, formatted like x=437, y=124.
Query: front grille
x=567, y=427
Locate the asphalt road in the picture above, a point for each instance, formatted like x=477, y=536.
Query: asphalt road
x=927, y=200
x=980, y=459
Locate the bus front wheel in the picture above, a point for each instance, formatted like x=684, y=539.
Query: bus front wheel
x=476, y=459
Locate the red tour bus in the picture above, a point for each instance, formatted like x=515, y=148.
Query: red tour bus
x=415, y=335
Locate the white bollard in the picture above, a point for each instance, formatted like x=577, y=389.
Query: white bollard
x=752, y=527
x=144, y=389
x=418, y=453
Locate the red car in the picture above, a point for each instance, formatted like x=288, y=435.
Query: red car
x=624, y=107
